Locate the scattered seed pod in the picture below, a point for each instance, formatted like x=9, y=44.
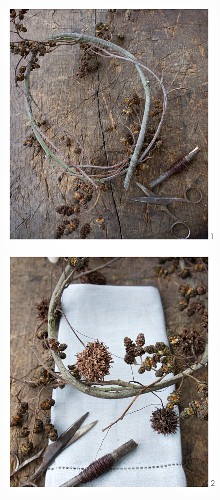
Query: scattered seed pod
x=16, y=420
x=93, y=363
x=201, y=290
x=164, y=421
x=66, y=210
x=22, y=408
x=202, y=411
x=183, y=304
x=42, y=334
x=26, y=448
x=95, y=278
x=42, y=309
x=85, y=230
x=80, y=263
x=191, y=342
x=173, y=399
x=140, y=340
x=74, y=371
x=24, y=432
x=185, y=273
x=204, y=323
x=202, y=389
x=62, y=347
x=38, y=426
x=53, y=435
x=62, y=355
x=195, y=307
x=47, y=404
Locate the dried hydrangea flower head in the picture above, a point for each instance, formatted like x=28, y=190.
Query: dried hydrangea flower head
x=93, y=363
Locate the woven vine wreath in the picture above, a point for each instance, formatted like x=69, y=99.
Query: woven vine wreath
x=109, y=49
x=115, y=389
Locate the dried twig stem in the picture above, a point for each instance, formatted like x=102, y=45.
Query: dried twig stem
x=98, y=42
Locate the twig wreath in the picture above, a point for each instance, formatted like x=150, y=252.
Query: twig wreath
x=108, y=49
x=113, y=389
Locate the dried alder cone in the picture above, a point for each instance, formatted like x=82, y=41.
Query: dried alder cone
x=93, y=363
x=199, y=407
x=160, y=352
x=94, y=278
x=189, y=342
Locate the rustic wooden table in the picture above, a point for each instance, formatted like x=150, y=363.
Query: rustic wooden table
x=173, y=43
x=32, y=279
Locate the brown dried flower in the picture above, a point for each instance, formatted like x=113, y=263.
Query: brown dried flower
x=94, y=361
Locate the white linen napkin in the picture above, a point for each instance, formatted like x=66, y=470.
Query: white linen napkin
x=109, y=313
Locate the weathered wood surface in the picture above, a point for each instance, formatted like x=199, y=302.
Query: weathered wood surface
x=173, y=43
x=31, y=280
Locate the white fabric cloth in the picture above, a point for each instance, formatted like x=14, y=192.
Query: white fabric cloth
x=109, y=313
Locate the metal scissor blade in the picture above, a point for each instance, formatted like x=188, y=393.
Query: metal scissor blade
x=81, y=432
x=55, y=448
x=147, y=191
x=152, y=200
x=159, y=200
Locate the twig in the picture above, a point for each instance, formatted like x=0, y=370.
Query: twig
x=74, y=331
x=125, y=411
x=82, y=38
x=142, y=132
x=194, y=378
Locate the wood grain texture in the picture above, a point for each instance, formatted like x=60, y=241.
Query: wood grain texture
x=31, y=281
x=173, y=43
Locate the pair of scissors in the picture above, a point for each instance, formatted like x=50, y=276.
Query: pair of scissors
x=68, y=437
x=164, y=201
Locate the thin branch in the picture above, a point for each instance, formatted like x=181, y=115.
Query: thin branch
x=79, y=38
x=124, y=412
x=74, y=331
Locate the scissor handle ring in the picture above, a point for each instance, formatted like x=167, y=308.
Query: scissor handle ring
x=182, y=224
x=192, y=188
